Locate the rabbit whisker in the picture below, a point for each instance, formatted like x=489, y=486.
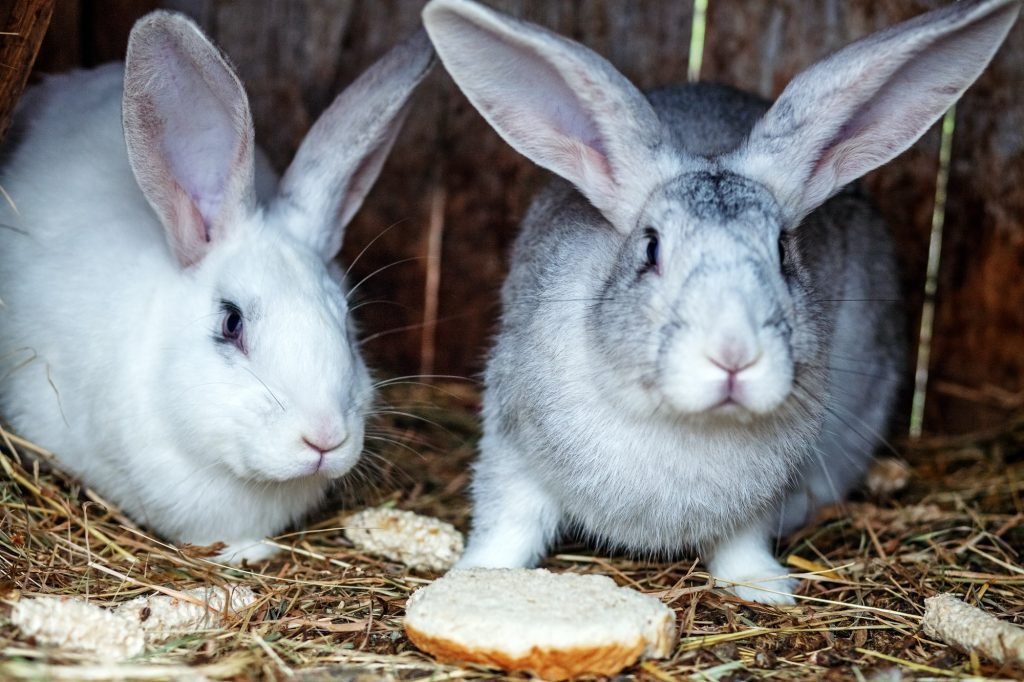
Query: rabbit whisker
x=867, y=441
x=382, y=269
x=384, y=301
x=402, y=379
x=409, y=415
x=263, y=383
x=416, y=325
x=844, y=370
x=397, y=444
x=371, y=243
x=16, y=230
x=855, y=300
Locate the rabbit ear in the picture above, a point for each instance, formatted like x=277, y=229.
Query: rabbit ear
x=342, y=155
x=189, y=132
x=556, y=102
x=867, y=103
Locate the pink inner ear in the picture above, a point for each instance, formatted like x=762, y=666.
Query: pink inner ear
x=563, y=139
x=201, y=145
x=190, y=237
x=189, y=133
x=594, y=168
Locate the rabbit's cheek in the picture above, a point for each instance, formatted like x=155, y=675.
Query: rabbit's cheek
x=338, y=463
x=762, y=387
x=689, y=380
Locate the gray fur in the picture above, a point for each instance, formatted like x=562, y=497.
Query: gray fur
x=572, y=283
x=664, y=378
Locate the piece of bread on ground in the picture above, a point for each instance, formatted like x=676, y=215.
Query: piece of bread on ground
x=554, y=625
x=419, y=542
x=77, y=626
x=162, y=616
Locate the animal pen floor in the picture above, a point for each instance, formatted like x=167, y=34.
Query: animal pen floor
x=325, y=611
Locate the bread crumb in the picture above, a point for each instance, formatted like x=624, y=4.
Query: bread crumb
x=162, y=616
x=419, y=542
x=887, y=476
x=75, y=625
x=969, y=629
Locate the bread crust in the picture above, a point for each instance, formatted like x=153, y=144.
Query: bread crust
x=550, y=664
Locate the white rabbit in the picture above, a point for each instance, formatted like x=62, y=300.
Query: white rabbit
x=694, y=352
x=182, y=349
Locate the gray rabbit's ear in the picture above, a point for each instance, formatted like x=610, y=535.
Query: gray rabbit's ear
x=343, y=153
x=864, y=105
x=553, y=100
x=188, y=131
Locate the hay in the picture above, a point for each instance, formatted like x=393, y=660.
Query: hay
x=326, y=611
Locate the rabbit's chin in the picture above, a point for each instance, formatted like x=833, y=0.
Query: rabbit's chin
x=714, y=405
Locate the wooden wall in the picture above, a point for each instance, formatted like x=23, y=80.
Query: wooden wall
x=295, y=55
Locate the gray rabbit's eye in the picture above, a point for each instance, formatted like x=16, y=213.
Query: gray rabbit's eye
x=653, y=248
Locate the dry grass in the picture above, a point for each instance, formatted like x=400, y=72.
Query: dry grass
x=327, y=612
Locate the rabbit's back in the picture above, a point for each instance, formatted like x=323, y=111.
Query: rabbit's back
x=76, y=230
x=69, y=150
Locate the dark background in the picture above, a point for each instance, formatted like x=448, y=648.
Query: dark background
x=295, y=55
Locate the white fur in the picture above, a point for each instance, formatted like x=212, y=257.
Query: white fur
x=721, y=395
x=112, y=296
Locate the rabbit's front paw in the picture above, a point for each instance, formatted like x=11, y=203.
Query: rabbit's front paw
x=490, y=552
x=766, y=591
x=747, y=568
x=249, y=551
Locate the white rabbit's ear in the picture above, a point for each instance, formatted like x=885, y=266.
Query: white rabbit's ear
x=556, y=102
x=342, y=155
x=189, y=132
x=864, y=105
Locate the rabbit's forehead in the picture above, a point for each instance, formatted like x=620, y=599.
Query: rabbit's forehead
x=703, y=200
x=288, y=280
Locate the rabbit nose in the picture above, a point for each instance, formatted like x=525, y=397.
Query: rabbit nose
x=734, y=356
x=732, y=366
x=323, y=445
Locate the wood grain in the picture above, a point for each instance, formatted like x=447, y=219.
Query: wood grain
x=296, y=55
x=23, y=24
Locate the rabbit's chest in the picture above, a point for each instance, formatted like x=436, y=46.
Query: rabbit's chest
x=658, y=489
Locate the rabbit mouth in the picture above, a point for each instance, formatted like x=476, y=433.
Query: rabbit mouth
x=724, y=396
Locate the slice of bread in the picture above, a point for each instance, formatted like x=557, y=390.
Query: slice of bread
x=554, y=625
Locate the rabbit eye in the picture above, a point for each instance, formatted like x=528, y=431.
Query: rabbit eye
x=783, y=257
x=232, y=325
x=653, y=248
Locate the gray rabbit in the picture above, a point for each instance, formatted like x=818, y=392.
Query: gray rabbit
x=701, y=339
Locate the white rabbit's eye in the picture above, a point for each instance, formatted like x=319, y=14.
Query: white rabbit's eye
x=232, y=325
x=783, y=253
x=653, y=248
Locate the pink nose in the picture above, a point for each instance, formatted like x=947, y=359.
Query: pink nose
x=733, y=364
x=323, y=446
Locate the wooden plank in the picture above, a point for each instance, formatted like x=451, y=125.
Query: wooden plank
x=62, y=46
x=23, y=25
x=296, y=55
x=978, y=355
x=105, y=28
